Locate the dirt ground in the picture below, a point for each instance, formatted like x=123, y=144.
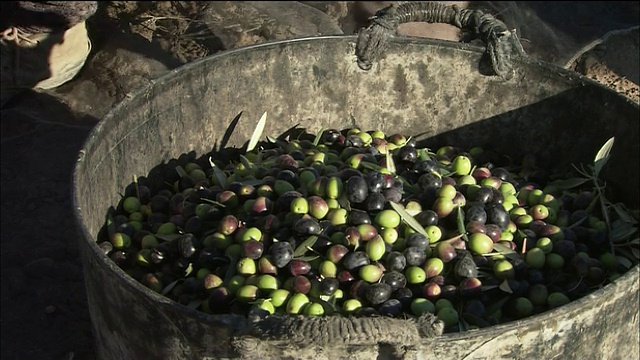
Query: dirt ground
x=44, y=306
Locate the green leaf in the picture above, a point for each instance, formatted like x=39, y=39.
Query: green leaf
x=494, y=307
x=603, y=155
x=504, y=286
x=318, y=137
x=308, y=258
x=181, y=172
x=329, y=309
x=344, y=202
x=188, y=270
x=194, y=304
x=135, y=182
x=407, y=218
x=621, y=230
x=391, y=166
x=370, y=166
x=461, y=227
x=302, y=248
x=624, y=213
x=566, y=184
x=624, y=261
x=110, y=223
x=231, y=269
x=229, y=131
x=168, y=237
x=171, y=285
x=287, y=133
x=213, y=202
x=506, y=251
x=222, y=178
x=247, y=164
x=257, y=132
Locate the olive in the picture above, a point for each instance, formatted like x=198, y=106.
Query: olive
x=281, y=253
x=328, y=286
x=395, y=279
x=415, y=256
x=465, y=266
x=307, y=226
x=375, y=202
x=395, y=261
x=378, y=293
x=252, y=249
x=187, y=245
x=476, y=212
x=358, y=217
x=430, y=180
x=427, y=217
x=445, y=251
x=418, y=240
x=355, y=260
x=391, y=307
x=407, y=154
x=356, y=189
x=392, y=194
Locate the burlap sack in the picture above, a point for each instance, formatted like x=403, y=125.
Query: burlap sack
x=42, y=60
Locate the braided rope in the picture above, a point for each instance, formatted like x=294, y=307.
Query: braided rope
x=502, y=45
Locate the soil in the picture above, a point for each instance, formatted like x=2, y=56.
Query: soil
x=44, y=306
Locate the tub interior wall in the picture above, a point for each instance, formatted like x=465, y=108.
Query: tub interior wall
x=435, y=91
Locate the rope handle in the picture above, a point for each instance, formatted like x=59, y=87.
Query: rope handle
x=502, y=44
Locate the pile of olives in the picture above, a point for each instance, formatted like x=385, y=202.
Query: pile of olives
x=359, y=223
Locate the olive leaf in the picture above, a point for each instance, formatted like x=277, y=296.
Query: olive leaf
x=391, y=166
x=504, y=286
x=624, y=260
x=370, y=166
x=246, y=162
x=318, y=137
x=194, y=304
x=168, y=237
x=230, y=129
x=460, y=222
x=621, y=230
x=305, y=245
x=624, y=213
x=494, y=307
x=231, y=269
x=329, y=308
x=110, y=223
x=288, y=133
x=308, y=258
x=222, y=178
x=188, y=270
x=137, y=186
x=170, y=287
x=257, y=132
x=213, y=202
x=566, y=184
x=506, y=251
x=181, y=172
x=602, y=156
x=407, y=218
x=344, y=202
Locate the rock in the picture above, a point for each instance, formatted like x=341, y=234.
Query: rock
x=246, y=23
x=612, y=61
x=122, y=65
